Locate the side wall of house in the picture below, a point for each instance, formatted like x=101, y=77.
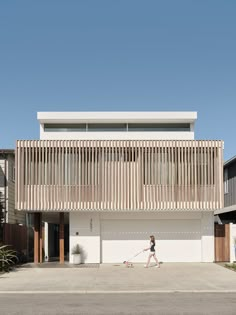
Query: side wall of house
x=14, y=216
x=7, y=188
x=2, y=180
x=230, y=196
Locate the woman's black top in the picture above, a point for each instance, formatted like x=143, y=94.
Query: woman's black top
x=152, y=249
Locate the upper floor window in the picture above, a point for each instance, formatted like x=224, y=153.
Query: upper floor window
x=14, y=174
x=118, y=127
x=158, y=127
x=106, y=127
x=11, y=172
x=64, y=127
x=226, y=181
x=2, y=176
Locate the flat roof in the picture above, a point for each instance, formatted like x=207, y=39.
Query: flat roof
x=7, y=151
x=225, y=210
x=103, y=117
x=233, y=159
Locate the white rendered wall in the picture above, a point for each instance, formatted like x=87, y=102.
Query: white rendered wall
x=87, y=225
x=116, y=117
x=232, y=242
x=181, y=135
x=181, y=236
x=208, y=240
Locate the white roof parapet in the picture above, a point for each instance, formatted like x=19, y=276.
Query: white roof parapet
x=116, y=117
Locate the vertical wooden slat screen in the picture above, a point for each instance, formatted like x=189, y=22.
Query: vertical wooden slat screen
x=222, y=241
x=119, y=175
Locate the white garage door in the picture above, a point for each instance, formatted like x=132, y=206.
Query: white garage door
x=177, y=240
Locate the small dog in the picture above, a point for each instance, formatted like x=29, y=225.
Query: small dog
x=128, y=264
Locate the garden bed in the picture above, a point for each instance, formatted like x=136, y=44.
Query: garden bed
x=231, y=266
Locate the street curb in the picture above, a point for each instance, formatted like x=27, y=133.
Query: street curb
x=116, y=292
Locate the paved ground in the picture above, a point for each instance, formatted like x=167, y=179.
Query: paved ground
x=104, y=304
x=175, y=277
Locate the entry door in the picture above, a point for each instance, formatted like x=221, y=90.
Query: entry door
x=222, y=252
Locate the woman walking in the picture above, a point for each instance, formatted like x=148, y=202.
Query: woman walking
x=152, y=252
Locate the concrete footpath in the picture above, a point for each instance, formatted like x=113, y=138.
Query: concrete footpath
x=106, y=278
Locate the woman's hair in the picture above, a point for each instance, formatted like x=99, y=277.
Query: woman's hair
x=152, y=237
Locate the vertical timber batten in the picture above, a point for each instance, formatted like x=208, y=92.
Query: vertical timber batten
x=111, y=175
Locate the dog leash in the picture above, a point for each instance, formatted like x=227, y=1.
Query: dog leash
x=134, y=256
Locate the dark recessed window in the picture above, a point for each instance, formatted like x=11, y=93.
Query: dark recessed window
x=158, y=127
x=119, y=127
x=107, y=127
x=64, y=127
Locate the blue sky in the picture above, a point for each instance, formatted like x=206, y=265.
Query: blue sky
x=118, y=55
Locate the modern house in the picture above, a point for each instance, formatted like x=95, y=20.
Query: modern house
x=109, y=180
x=227, y=215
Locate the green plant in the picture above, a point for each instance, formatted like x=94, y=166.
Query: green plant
x=231, y=266
x=7, y=258
x=76, y=250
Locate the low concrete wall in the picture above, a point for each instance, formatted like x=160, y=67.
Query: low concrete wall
x=232, y=242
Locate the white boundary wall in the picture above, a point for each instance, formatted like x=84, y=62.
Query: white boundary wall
x=232, y=242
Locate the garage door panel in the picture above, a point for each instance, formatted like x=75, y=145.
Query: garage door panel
x=177, y=240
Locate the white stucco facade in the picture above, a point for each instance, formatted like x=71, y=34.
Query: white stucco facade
x=117, y=117
x=115, y=237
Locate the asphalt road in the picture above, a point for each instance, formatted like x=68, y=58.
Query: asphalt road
x=86, y=304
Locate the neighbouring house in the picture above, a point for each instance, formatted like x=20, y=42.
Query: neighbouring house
x=12, y=222
x=226, y=216
x=7, y=189
x=109, y=180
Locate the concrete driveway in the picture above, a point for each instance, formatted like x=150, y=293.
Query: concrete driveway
x=171, y=277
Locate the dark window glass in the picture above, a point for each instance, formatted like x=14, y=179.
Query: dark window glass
x=64, y=127
x=158, y=127
x=107, y=127
x=116, y=127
